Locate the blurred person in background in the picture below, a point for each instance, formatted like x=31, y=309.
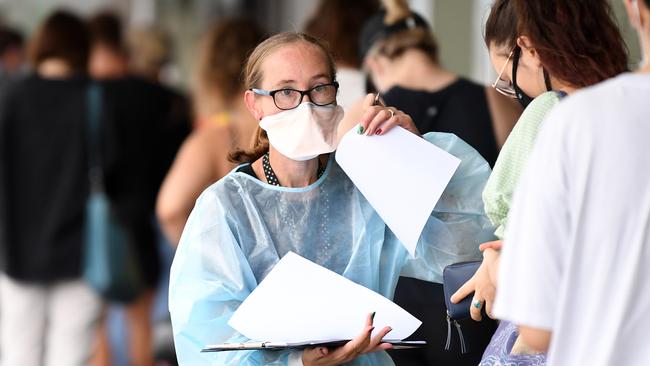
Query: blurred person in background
x=539, y=63
x=223, y=122
x=12, y=55
x=48, y=313
x=402, y=57
x=108, y=56
x=146, y=123
x=338, y=23
x=150, y=53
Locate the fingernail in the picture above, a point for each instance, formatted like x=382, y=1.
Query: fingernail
x=360, y=130
x=378, y=132
x=371, y=329
x=372, y=316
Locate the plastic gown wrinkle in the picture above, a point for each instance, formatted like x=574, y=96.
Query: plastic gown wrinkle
x=240, y=227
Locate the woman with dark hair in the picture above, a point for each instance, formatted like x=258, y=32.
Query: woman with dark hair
x=48, y=313
x=542, y=51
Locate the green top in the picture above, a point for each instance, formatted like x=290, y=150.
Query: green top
x=497, y=195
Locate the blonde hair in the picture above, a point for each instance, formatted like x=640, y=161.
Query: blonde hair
x=253, y=78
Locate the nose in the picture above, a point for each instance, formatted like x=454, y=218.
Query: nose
x=305, y=98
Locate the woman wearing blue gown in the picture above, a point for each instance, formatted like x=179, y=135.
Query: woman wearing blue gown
x=289, y=194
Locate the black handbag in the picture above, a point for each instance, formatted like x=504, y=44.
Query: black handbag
x=110, y=265
x=453, y=277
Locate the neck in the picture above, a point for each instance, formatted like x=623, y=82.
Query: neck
x=415, y=70
x=54, y=69
x=292, y=173
x=562, y=86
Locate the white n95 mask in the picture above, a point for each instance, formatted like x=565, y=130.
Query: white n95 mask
x=304, y=132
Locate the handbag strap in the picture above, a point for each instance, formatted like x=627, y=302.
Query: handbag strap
x=93, y=136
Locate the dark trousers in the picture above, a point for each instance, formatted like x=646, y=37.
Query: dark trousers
x=425, y=300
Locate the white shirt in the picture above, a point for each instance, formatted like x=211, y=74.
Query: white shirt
x=576, y=260
x=352, y=86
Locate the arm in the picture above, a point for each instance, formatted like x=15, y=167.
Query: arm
x=193, y=170
x=533, y=256
x=210, y=277
x=537, y=339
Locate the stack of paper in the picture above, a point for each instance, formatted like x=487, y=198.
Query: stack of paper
x=300, y=302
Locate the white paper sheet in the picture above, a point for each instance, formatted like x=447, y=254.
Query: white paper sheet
x=301, y=301
x=400, y=174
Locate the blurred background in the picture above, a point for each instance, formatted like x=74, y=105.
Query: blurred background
x=457, y=25
x=166, y=35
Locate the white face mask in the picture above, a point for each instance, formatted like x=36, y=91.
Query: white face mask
x=304, y=132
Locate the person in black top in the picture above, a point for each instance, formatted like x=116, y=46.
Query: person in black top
x=144, y=125
x=401, y=56
x=48, y=313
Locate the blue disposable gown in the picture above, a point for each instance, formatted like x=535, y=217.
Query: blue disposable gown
x=240, y=227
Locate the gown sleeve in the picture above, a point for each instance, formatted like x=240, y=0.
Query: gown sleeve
x=210, y=277
x=458, y=224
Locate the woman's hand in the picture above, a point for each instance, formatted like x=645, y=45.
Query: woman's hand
x=363, y=343
x=378, y=119
x=496, y=245
x=483, y=283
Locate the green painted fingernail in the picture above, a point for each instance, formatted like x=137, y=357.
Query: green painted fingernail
x=372, y=317
x=360, y=130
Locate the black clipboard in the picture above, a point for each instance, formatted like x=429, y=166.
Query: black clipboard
x=278, y=346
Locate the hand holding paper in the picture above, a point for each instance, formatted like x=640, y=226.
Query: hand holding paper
x=400, y=174
x=301, y=301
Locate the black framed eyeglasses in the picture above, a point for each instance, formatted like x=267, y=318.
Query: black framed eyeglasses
x=288, y=98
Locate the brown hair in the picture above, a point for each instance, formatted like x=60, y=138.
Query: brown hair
x=224, y=51
x=396, y=44
x=339, y=23
x=62, y=35
x=106, y=29
x=253, y=77
x=578, y=41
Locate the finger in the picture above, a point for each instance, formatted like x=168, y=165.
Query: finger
x=389, y=124
x=367, y=114
x=354, y=347
x=464, y=290
x=376, y=340
x=370, y=319
x=496, y=245
x=382, y=347
x=488, y=308
x=475, y=309
x=381, y=116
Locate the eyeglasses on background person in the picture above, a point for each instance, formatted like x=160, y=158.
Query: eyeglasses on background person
x=505, y=87
x=288, y=98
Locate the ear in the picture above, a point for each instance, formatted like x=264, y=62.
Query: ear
x=374, y=66
x=528, y=52
x=251, y=104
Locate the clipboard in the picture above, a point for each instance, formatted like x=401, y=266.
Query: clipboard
x=278, y=346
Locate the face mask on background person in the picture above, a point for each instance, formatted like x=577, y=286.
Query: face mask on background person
x=304, y=132
x=523, y=98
